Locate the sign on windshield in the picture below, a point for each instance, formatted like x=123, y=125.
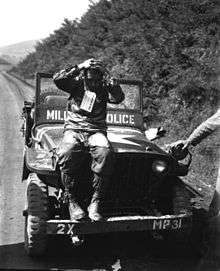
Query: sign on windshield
x=132, y=93
x=51, y=103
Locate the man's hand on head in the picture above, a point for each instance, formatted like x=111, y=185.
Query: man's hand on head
x=92, y=63
x=89, y=63
x=86, y=64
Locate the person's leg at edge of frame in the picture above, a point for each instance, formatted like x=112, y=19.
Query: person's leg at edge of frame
x=211, y=233
x=69, y=159
x=102, y=167
x=214, y=224
x=214, y=207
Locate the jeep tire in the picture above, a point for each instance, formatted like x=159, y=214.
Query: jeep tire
x=180, y=199
x=37, y=213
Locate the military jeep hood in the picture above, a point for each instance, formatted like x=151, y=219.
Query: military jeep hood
x=131, y=140
x=40, y=156
x=122, y=139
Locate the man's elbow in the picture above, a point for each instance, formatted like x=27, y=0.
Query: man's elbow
x=120, y=98
x=58, y=83
x=120, y=95
x=116, y=95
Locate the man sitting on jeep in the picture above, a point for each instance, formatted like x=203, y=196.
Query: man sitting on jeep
x=85, y=126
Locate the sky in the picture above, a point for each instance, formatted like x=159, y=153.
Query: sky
x=22, y=20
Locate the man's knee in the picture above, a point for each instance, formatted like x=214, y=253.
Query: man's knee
x=98, y=140
x=67, y=151
x=68, y=144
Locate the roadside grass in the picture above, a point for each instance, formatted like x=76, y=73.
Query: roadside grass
x=179, y=121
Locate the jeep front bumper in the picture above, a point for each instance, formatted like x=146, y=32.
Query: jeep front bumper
x=120, y=224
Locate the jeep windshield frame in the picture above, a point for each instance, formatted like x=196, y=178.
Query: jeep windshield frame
x=132, y=104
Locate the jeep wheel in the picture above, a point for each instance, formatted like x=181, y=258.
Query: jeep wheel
x=37, y=213
x=181, y=205
x=181, y=199
x=25, y=170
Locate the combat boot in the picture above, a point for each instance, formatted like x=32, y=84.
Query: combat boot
x=95, y=210
x=76, y=212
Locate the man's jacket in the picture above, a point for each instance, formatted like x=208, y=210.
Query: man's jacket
x=205, y=129
x=78, y=118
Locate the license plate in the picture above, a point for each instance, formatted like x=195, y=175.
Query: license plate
x=163, y=223
x=65, y=228
x=167, y=224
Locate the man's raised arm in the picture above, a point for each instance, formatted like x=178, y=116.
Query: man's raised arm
x=66, y=78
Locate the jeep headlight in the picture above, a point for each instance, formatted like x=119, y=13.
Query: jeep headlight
x=159, y=166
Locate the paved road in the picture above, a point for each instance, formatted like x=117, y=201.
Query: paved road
x=112, y=252
x=11, y=148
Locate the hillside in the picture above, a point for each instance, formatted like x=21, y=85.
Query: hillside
x=173, y=46
x=4, y=65
x=3, y=62
x=16, y=52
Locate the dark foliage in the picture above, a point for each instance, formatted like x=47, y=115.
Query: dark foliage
x=171, y=45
